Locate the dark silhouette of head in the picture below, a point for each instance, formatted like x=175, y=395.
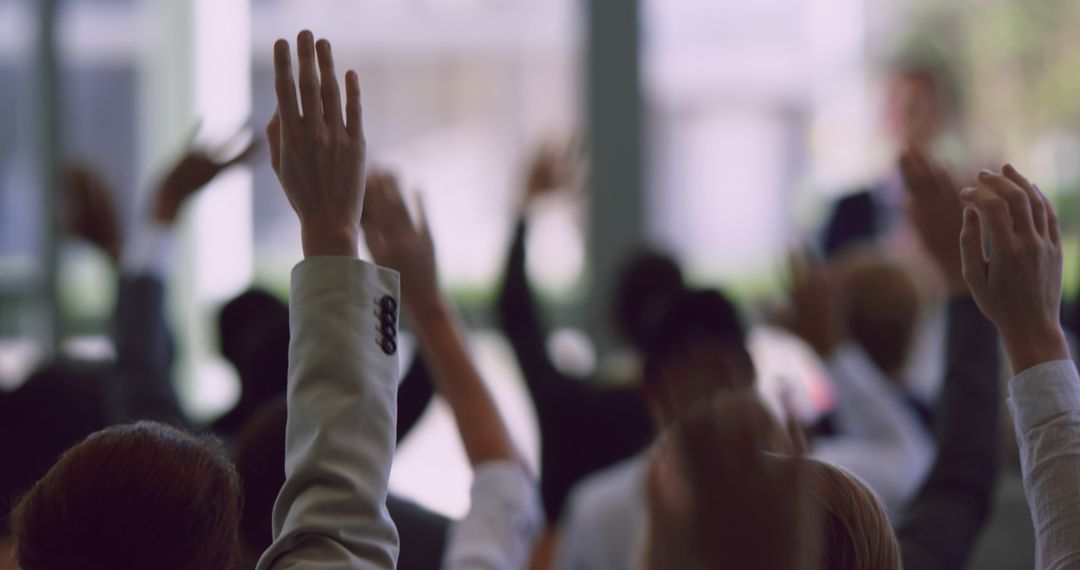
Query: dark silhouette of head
x=58, y=406
x=253, y=330
x=257, y=448
x=646, y=281
x=696, y=349
x=133, y=496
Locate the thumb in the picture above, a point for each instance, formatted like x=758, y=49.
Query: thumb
x=971, y=252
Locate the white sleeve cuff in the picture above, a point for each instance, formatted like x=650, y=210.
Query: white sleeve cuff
x=1044, y=391
x=150, y=250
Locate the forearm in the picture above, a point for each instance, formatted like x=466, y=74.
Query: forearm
x=442, y=342
x=340, y=440
x=951, y=509
x=142, y=388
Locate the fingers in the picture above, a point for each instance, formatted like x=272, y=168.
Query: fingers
x=273, y=137
x=971, y=252
x=353, y=113
x=284, y=84
x=1017, y=200
x=1053, y=227
x=993, y=214
x=309, y=77
x=331, y=93
x=1035, y=198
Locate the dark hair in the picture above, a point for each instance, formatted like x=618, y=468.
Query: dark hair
x=253, y=332
x=691, y=319
x=59, y=405
x=883, y=309
x=133, y=496
x=646, y=281
x=257, y=449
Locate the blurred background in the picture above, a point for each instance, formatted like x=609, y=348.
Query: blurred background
x=718, y=130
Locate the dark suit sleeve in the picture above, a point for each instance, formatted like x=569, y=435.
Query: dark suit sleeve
x=141, y=388
x=414, y=394
x=947, y=515
x=519, y=319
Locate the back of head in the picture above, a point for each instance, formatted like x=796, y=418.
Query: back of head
x=696, y=348
x=855, y=531
x=59, y=405
x=254, y=335
x=134, y=496
x=646, y=280
x=882, y=309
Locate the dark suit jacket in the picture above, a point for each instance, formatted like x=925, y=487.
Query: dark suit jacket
x=947, y=516
x=584, y=427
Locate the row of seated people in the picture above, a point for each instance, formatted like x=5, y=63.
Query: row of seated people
x=331, y=413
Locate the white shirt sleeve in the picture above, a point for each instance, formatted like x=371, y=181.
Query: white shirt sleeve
x=503, y=522
x=882, y=442
x=1045, y=402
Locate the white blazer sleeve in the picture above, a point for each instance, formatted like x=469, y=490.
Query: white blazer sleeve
x=339, y=443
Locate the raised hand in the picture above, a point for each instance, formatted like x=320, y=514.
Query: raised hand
x=91, y=213
x=937, y=213
x=815, y=311
x=398, y=242
x=197, y=168
x=1016, y=281
x=552, y=167
x=320, y=156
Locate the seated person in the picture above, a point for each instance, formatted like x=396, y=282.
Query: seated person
x=604, y=523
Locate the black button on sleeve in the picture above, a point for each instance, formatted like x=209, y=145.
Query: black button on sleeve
x=389, y=304
x=389, y=346
x=389, y=331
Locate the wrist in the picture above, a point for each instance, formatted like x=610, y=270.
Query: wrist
x=427, y=309
x=329, y=242
x=1034, y=348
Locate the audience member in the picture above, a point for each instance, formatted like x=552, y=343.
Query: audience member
x=586, y=424
x=1016, y=281
x=877, y=435
x=604, y=522
x=505, y=517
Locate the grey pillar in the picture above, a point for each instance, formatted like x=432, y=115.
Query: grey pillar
x=46, y=71
x=615, y=147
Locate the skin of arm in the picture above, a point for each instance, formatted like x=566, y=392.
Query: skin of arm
x=397, y=241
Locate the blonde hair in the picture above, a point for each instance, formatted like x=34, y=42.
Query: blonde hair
x=855, y=530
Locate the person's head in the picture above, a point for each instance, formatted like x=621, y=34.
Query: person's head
x=59, y=405
x=134, y=496
x=253, y=330
x=917, y=103
x=882, y=309
x=729, y=488
x=855, y=530
x=696, y=349
x=646, y=281
x=259, y=452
